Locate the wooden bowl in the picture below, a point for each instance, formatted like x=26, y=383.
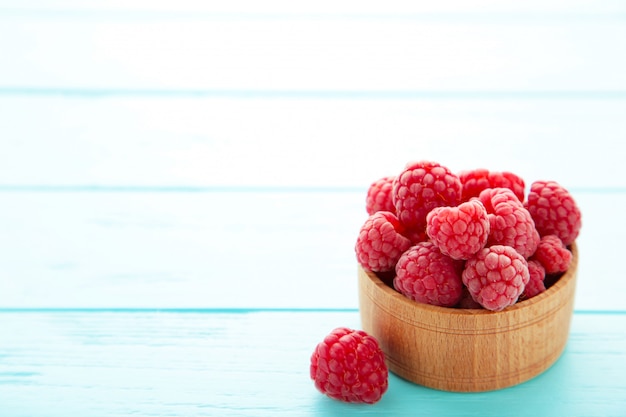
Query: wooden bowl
x=467, y=350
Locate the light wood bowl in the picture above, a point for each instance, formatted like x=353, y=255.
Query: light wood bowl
x=467, y=350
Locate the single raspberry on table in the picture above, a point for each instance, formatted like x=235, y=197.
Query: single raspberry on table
x=476, y=180
x=348, y=365
x=537, y=275
x=510, y=223
x=421, y=187
x=496, y=276
x=460, y=231
x=380, y=242
x=378, y=196
x=552, y=254
x=554, y=211
x=426, y=275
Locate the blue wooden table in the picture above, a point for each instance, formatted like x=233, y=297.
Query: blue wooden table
x=182, y=184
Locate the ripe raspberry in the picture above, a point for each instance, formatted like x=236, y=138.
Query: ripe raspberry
x=380, y=242
x=554, y=211
x=496, y=276
x=477, y=180
x=510, y=223
x=461, y=231
x=348, y=365
x=552, y=254
x=426, y=275
x=379, y=196
x=421, y=187
x=416, y=236
x=535, y=284
x=467, y=301
x=493, y=196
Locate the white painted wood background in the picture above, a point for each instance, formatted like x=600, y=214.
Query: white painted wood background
x=181, y=185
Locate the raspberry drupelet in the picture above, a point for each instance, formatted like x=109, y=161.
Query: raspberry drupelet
x=421, y=187
x=380, y=242
x=496, y=276
x=348, y=365
x=426, y=275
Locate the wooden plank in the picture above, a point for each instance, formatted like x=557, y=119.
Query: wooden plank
x=210, y=141
x=234, y=52
x=256, y=364
x=225, y=249
x=322, y=7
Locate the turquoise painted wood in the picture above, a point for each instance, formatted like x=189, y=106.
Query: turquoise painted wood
x=329, y=8
x=181, y=185
x=224, y=249
x=311, y=141
x=255, y=363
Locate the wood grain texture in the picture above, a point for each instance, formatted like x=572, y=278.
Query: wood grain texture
x=256, y=363
x=190, y=249
x=177, y=249
x=169, y=141
x=468, y=350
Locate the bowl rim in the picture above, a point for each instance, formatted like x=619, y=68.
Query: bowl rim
x=558, y=286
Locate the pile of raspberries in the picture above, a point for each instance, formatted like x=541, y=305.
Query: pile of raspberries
x=467, y=240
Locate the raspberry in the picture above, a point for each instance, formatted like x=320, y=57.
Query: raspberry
x=554, y=211
x=421, y=187
x=416, y=236
x=379, y=196
x=510, y=223
x=535, y=284
x=496, y=276
x=493, y=196
x=348, y=365
x=467, y=301
x=380, y=242
x=426, y=275
x=552, y=254
x=461, y=231
x=477, y=180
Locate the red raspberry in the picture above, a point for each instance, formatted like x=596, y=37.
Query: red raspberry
x=379, y=196
x=461, y=231
x=496, y=276
x=380, y=242
x=477, y=180
x=421, y=187
x=535, y=284
x=467, y=301
x=426, y=275
x=416, y=236
x=554, y=211
x=552, y=254
x=510, y=223
x=493, y=196
x=348, y=365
